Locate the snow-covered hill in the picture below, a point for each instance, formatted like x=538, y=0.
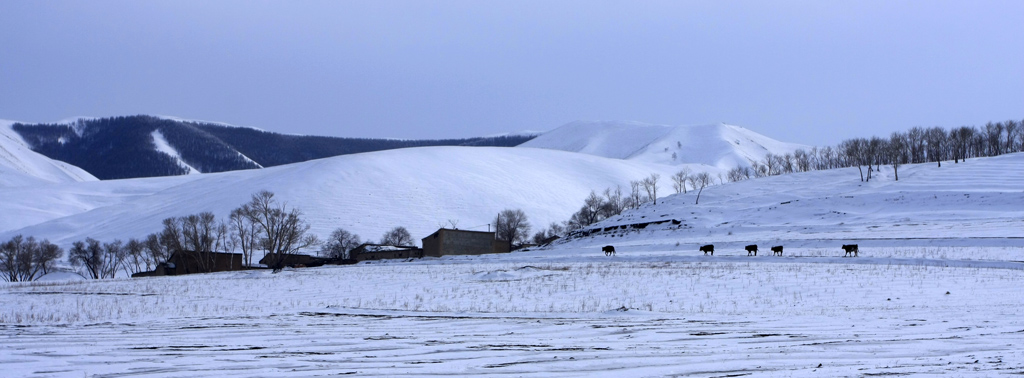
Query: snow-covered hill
x=719, y=145
x=417, y=188
x=969, y=202
x=20, y=166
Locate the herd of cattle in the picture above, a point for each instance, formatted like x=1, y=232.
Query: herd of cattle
x=851, y=250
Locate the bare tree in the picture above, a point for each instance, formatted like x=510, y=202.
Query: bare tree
x=280, y=230
x=852, y=152
x=916, y=143
x=759, y=169
x=961, y=139
x=397, y=236
x=88, y=254
x=771, y=164
x=993, y=138
x=171, y=237
x=703, y=179
x=512, y=226
x=679, y=180
x=650, y=184
x=874, y=151
x=738, y=174
x=155, y=250
x=614, y=203
x=339, y=244
x=802, y=160
x=136, y=260
x=635, y=198
x=10, y=258
x=113, y=257
x=1012, y=128
x=25, y=259
x=896, y=148
x=936, y=137
x=46, y=256
x=245, y=233
x=100, y=260
x=199, y=233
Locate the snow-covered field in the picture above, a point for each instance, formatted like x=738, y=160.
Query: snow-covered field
x=570, y=313
x=936, y=290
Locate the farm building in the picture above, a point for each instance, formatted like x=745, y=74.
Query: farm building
x=294, y=260
x=368, y=251
x=461, y=242
x=188, y=262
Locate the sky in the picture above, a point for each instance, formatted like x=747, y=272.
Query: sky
x=811, y=72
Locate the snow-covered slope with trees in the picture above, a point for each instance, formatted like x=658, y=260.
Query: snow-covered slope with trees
x=718, y=145
x=368, y=194
x=968, y=202
x=20, y=166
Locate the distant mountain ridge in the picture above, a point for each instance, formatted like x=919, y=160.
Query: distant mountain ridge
x=716, y=145
x=148, y=146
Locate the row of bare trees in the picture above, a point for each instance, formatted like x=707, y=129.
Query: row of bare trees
x=262, y=224
x=25, y=259
x=914, y=146
x=341, y=242
x=612, y=201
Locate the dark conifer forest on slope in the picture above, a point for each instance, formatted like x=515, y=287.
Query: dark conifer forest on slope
x=124, y=147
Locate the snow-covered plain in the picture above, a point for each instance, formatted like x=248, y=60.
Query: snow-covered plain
x=935, y=291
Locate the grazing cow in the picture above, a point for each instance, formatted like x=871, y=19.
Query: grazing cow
x=751, y=249
x=850, y=248
x=708, y=248
x=777, y=250
x=608, y=250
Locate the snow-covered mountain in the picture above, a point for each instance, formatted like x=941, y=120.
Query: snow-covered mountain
x=147, y=146
x=718, y=145
x=21, y=167
x=417, y=188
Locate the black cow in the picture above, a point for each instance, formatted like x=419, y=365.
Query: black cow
x=850, y=248
x=751, y=249
x=608, y=250
x=708, y=248
x=777, y=250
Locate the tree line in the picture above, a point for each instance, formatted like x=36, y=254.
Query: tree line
x=914, y=146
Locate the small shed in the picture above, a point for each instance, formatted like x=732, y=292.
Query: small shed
x=294, y=260
x=370, y=251
x=447, y=242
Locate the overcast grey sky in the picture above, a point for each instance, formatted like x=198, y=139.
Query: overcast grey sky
x=810, y=72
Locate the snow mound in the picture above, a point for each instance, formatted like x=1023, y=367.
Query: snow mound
x=717, y=145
